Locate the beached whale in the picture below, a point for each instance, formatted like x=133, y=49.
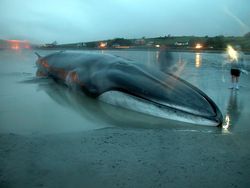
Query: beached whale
x=121, y=82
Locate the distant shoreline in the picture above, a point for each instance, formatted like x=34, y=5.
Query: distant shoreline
x=143, y=49
x=247, y=52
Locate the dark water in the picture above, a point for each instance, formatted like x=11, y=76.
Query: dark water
x=29, y=105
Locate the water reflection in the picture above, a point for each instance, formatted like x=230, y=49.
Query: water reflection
x=198, y=60
x=233, y=113
x=157, y=55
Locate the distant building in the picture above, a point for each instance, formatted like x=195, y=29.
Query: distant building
x=50, y=45
x=181, y=43
x=116, y=45
x=139, y=41
x=150, y=43
x=81, y=44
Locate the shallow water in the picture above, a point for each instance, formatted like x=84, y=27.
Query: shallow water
x=29, y=105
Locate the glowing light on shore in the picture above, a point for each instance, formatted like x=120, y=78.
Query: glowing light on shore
x=198, y=46
x=102, y=45
x=14, y=47
x=232, y=53
x=18, y=44
x=157, y=46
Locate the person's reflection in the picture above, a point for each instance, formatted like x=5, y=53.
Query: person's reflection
x=165, y=59
x=233, y=113
x=167, y=63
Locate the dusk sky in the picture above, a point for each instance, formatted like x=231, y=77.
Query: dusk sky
x=45, y=21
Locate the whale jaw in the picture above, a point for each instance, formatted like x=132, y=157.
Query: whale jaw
x=141, y=105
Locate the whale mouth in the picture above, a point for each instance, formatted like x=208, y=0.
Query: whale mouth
x=145, y=106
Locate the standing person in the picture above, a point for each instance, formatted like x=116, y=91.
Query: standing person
x=236, y=68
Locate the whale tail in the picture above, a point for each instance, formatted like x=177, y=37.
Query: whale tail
x=38, y=55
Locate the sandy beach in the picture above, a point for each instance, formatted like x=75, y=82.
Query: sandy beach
x=118, y=157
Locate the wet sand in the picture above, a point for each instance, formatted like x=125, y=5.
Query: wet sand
x=119, y=157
